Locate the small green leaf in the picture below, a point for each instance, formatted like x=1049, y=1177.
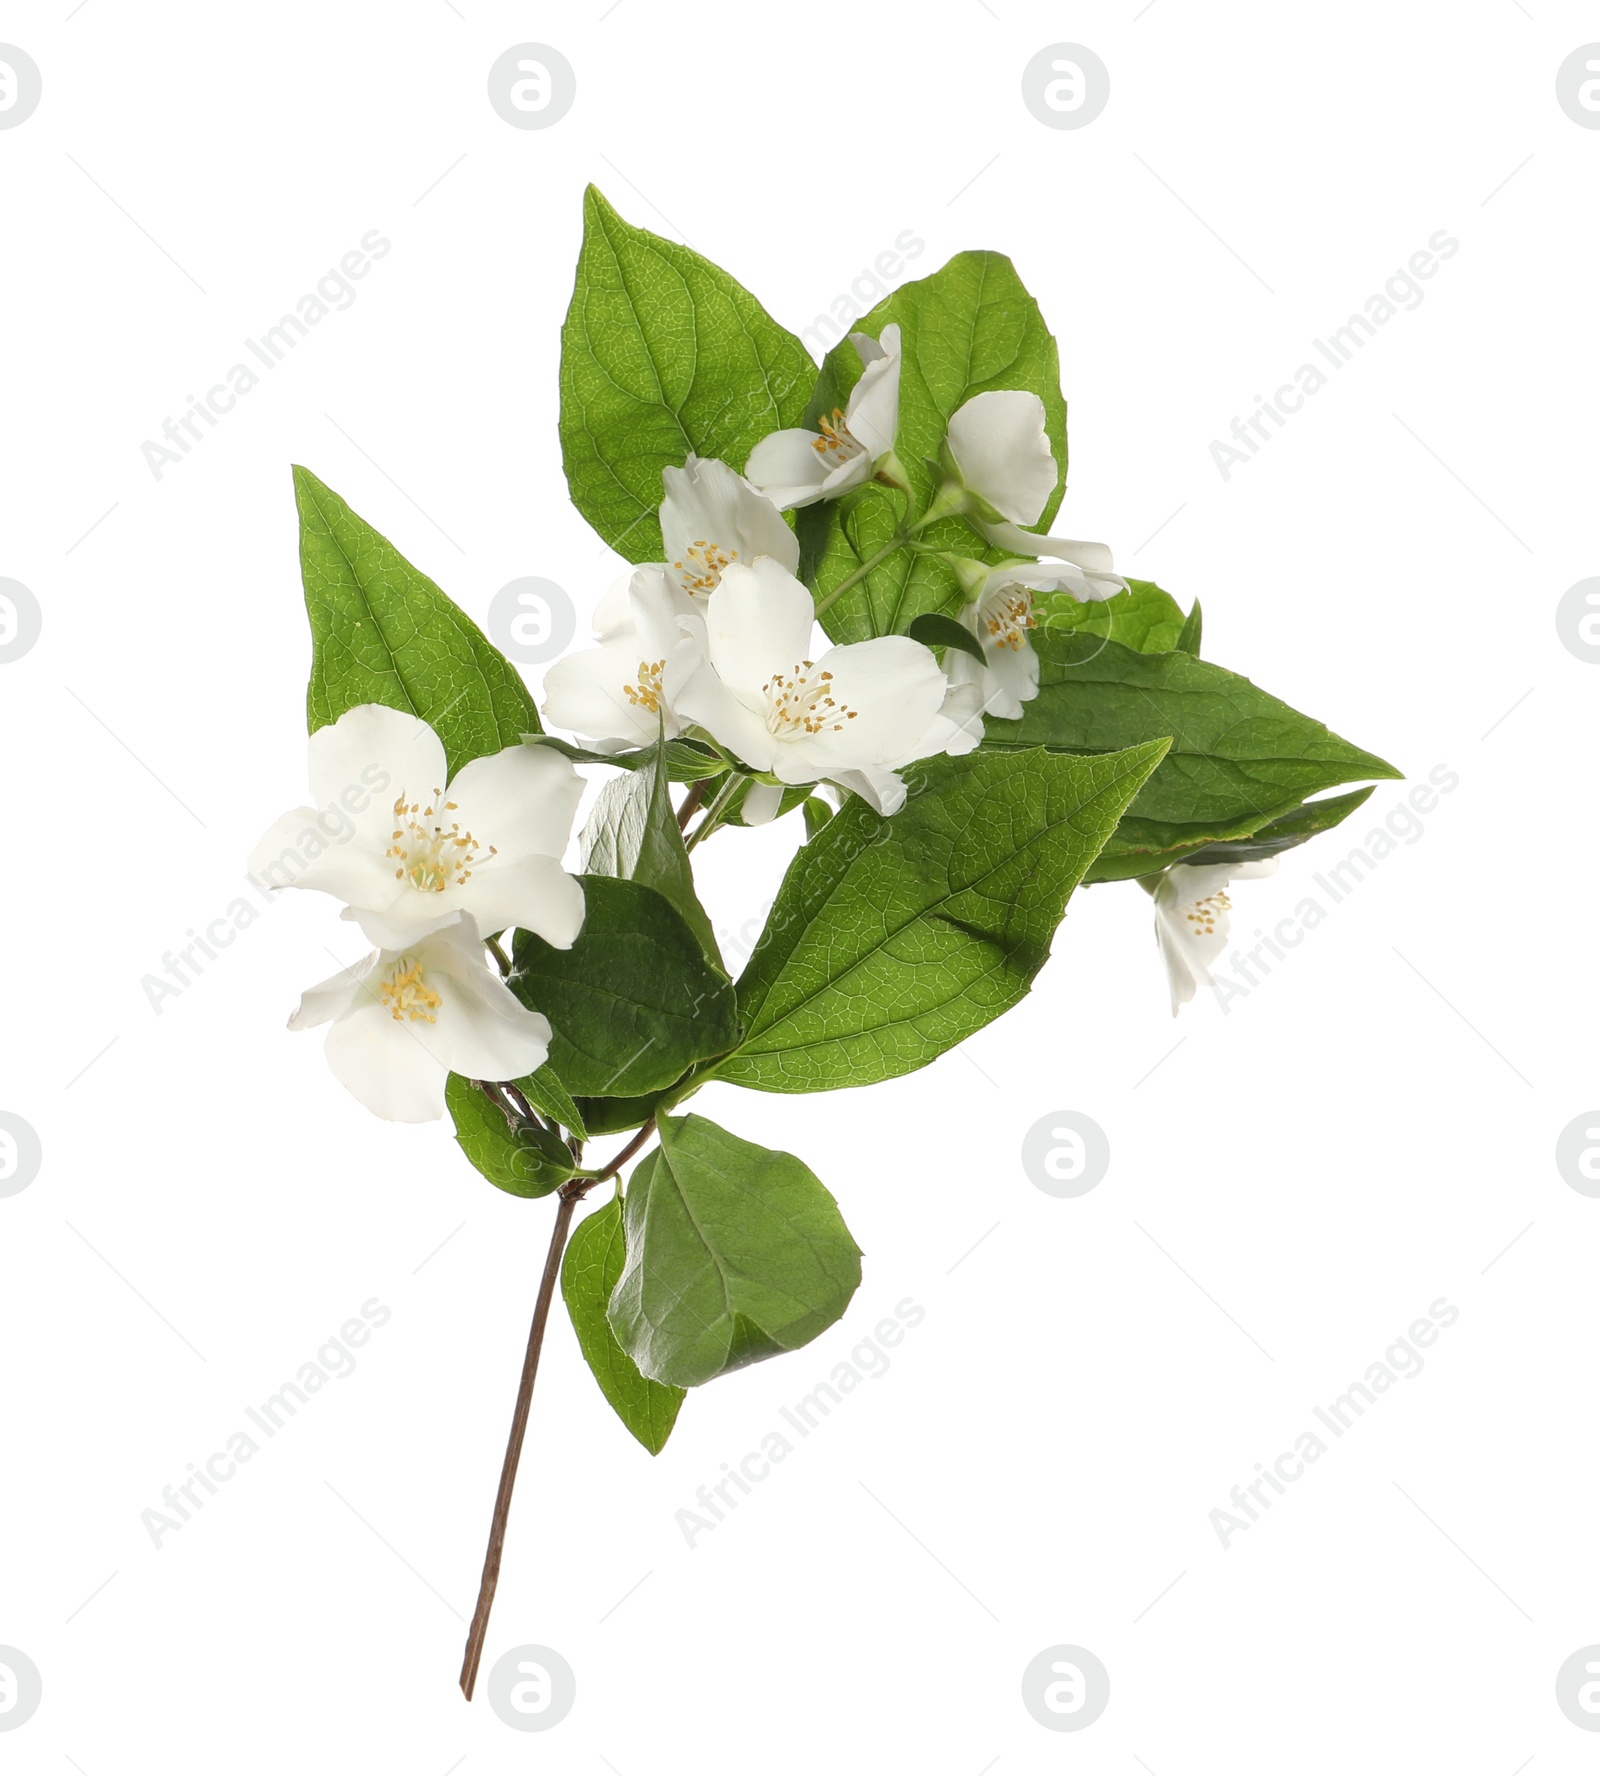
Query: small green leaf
x=634, y=1003
x=734, y=1253
x=817, y=814
x=1284, y=834
x=1189, y=640
x=633, y=833
x=935, y=631
x=381, y=632
x=1239, y=757
x=662, y=354
x=549, y=1096
x=688, y=761
x=527, y=1163
x=892, y=940
x=589, y=1272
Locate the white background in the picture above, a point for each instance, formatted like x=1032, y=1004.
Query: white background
x=1290, y=1186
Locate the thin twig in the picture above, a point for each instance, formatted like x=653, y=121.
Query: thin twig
x=695, y=796
x=519, y=1424
x=571, y=1195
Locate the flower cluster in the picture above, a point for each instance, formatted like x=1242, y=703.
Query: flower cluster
x=722, y=638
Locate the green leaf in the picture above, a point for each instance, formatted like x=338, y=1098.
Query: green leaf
x=1239, y=756
x=634, y=1003
x=549, y=1096
x=893, y=940
x=662, y=354
x=527, y=1163
x=968, y=328
x=1283, y=835
x=1189, y=640
x=935, y=631
x=633, y=833
x=615, y=1116
x=734, y=1253
x=817, y=814
x=590, y=1271
x=1143, y=618
x=381, y=632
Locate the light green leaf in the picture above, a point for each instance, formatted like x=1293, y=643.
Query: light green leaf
x=634, y=1003
x=381, y=632
x=688, y=761
x=734, y=1253
x=1193, y=624
x=1239, y=757
x=634, y=833
x=968, y=328
x=550, y=1097
x=529, y=1162
x=590, y=1271
x=893, y=940
x=662, y=354
x=1143, y=618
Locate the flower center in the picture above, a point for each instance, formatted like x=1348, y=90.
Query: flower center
x=1203, y=915
x=1008, y=616
x=429, y=854
x=406, y=992
x=802, y=703
x=647, y=693
x=702, y=572
x=837, y=443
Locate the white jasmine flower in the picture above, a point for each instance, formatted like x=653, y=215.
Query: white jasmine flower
x=798, y=467
x=1002, y=455
x=1192, y=909
x=419, y=849
x=1001, y=616
x=797, y=710
x=711, y=517
x=405, y=1019
x=625, y=691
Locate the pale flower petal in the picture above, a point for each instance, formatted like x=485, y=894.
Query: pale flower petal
x=758, y=621
x=1192, y=910
x=789, y=468
x=1001, y=448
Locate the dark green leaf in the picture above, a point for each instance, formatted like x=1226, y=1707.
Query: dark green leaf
x=1284, y=834
x=383, y=633
x=662, y=354
x=589, y=1272
x=734, y=1253
x=1239, y=757
x=614, y=1116
x=968, y=328
x=634, y=1003
x=529, y=1162
x=935, y=631
x=893, y=940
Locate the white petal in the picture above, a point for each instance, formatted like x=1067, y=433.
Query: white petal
x=331, y=998
x=709, y=506
x=999, y=443
x=321, y=849
x=521, y=800
x=760, y=620
x=380, y=1060
x=761, y=803
x=1093, y=558
x=957, y=725
x=789, y=468
x=873, y=410
x=385, y=752
x=878, y=788
x=484, y=1030
x=533, y=892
